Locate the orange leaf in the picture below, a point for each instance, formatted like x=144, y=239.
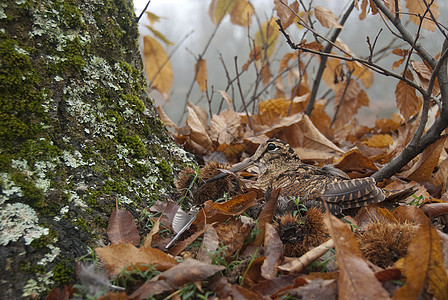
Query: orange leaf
x=326, y=17
x=428, y=160
x=201, y=74
x=313, y=46
x=157, y=66
x=265, y=74
x=266, y=216
x=122, y=228
x=119, y=256
x=418, y=7
x=423, y=266
x=356, y=279
x=410, y=213
x=408, y=102
x=379, y=141
x=285, y=14
x=355, y=161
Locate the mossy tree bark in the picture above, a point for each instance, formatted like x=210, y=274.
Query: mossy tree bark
x=77, y=132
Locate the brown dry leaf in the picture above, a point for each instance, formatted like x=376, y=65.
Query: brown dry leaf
x=219, y=212
x=168, y=209
x=331, y=72
x=218, y=9
x=253, y=272
x=64, y=293
x=410, y=213
x=423, y=266
x=119, y=256
x=356, y=279
x=389, y=125
x=122, y=228
x=313, y=46
x=266, y=37
x=227, y=98
x=154, y=230
x=157, y=66
x=198, y=133
x=226, y=127
x=428, y=160
x=254, y=55
x=364, y=9
x=266, y=216
x=284, y=61
x=326, y=17
x=181, y=246
x=355, y=161
x=165, y=119
x=424, y=74
x=242, y=13
x=379, y=141
x=285, y=14
x=402, y=53
x=373, y=213
x=273, y=251
x=440, y=177
x=114, y=296
x=433, y=210
x=233, y=233
x=201, y=113
x=188, y=271
x=265, y=74
x=408, y=102
x=210, y=243
x=360, y=71
x=418, y=7
x=352, y=98
x=201, y=74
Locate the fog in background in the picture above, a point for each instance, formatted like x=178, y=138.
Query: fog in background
x=183, y=17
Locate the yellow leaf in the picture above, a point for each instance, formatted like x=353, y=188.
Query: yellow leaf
x=157, y=66
x=423, y=266
x=408, y=102
x=242, y=13
x=219, y=9
x=326, y=17
x=153, y=18
x=266, y=37
x=201, y=74
x=379, y=141
x=159, y=35
x=418, y=7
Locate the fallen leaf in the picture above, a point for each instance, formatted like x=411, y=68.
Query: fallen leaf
x=266, y=216
x=233, y=233
x=273, y=251
x=122, y=228
x=408, y=102
x=118, y=256
x=64, y=293
x=188, y=271
x=356, y=279
x=355, y=161
x=439, y=178
x=210, y=243
x=114, y=296
x=379, y=141
x=252, y=275
x=154, y=230
x=423, y=266
x=198, y=132
x=373, y=213
x=410, y=213
x=433, y=210
x=428, y=160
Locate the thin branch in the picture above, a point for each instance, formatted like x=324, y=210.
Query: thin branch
x=341, y=99
x=241, y=94
x=143, y=11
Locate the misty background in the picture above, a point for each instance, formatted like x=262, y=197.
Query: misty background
x=181, y=18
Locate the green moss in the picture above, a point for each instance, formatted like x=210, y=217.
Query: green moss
x=31, y=194
x=41, y=149
x=63, y=272
x=45, y=240
x=83, y=225
x=133, y=143
x=71, y=16
x=139, y=169
x=165, y=171
x=132, y=99
x=31, y=268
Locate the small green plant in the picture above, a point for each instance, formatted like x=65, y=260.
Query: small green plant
x=348, y=222
x=417, y=200
x=321, y=266
x=136, y=276
x=187, y=193
x=89, y=257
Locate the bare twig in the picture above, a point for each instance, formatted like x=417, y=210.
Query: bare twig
x=349, y=75
x=143, y=11
x=241, y=94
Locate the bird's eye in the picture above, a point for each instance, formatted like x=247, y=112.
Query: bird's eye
x=271, y=147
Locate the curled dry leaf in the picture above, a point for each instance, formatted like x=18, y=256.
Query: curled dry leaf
x=119, y=256
x=122, y=228
x=355, y=161
x=285, y=14
x=201, y=74
x=423, y=266
x=326, y=17
x=428, y=160
x=198, y=132
x=233, y=233
x=273, y=251
x=433, y=210
x=190, y=270
x=210, y=243
x=408, y=102
x=418, y=8
x=410, y=213
x=356, y=279
x=266, y=216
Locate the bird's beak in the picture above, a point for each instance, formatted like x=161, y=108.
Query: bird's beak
x=236, y=168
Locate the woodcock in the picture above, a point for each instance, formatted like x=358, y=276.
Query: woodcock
x=281, y=167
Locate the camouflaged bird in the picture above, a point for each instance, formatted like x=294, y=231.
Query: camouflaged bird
x=281, y=167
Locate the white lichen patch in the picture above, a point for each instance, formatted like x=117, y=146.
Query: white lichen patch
x=49, y=257
x=19, y=165
x=19, y=220
x=33, y=287
x=62, y=213
x=77, y=201
x=41, y=169
x=73, y=159
x=9, y=189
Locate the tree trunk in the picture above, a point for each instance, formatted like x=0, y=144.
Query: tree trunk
x=77, y=133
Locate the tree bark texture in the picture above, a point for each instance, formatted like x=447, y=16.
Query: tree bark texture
x=77, y=133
